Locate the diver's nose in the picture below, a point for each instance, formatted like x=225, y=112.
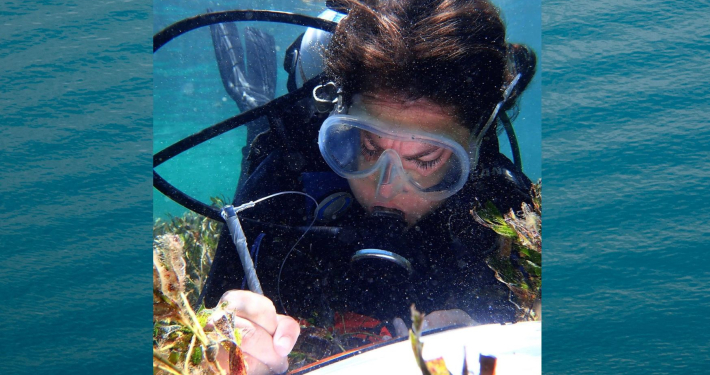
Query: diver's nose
x=391, y=178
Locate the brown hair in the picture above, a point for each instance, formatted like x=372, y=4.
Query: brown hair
x=452, y=52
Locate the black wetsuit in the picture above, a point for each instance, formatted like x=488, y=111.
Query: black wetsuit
x=446, y=248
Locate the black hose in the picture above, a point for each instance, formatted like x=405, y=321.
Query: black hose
x=233, y=122
x=192, y=23
x=183, y=199
x=510, y=132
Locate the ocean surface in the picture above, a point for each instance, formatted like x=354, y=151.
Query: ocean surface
x=625, y=164
x=75, y=187
x=626, y=171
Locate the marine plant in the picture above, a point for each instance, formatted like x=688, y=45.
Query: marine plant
x=183, y=341
x=199, y=236
x=517, y=262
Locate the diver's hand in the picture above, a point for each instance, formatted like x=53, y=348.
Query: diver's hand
x=267, y=337
x=437, y=319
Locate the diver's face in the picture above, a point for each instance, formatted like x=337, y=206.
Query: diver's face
x=419, y=115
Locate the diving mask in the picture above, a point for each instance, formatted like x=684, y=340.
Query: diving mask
x=431, y=165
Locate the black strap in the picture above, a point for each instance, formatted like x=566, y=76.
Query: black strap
x=189, y=24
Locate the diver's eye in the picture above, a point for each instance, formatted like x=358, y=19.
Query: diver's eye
x=368, y=153
x=368, y=148
x=427, y=159
x=424, y=164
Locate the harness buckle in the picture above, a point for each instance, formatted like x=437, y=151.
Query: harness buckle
x=327, y=97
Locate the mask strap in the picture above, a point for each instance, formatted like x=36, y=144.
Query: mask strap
x=476, y=139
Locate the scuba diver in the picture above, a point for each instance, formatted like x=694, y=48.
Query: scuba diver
x=397, y=144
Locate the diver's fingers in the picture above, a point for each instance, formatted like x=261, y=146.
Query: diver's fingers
x=286, y=334
x=251, y=306
x=260, y=345
x=400, y=328
x=254, y=366
x=446, y=318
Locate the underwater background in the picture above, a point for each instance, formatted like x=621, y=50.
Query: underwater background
x=625, y=163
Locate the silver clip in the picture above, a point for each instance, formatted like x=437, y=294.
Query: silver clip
x=340, y=106
x=326, y=97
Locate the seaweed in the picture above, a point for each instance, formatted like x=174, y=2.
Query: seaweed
x=183, y=341
x=517, y=263
x=198, y=236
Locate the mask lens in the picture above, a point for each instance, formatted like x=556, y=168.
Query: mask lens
x=356, y=148
x=340, y=146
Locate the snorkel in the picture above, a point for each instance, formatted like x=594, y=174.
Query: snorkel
x=476, y=138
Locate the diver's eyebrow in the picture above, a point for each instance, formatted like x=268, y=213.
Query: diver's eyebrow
x=432, y=149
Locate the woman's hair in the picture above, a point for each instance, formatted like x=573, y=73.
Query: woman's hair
x=452, y=52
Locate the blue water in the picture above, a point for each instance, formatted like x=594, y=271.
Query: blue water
x=75, y=197
x=626, y=170
x=625, y=165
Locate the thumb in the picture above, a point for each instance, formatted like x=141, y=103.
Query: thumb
x=287, y=331
x=400, y=328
